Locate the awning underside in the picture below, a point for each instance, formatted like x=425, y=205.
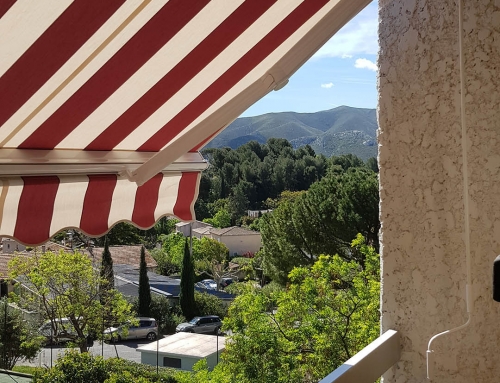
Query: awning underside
x=143, y=81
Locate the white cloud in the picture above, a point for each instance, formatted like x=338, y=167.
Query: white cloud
x=327, y=85
x=365, y=64
x=344, y=56
x=359, y=36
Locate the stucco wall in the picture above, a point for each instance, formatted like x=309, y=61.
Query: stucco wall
x=240, y=244
x=423, y=254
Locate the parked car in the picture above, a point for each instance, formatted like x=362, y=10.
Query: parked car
x=209, y=284
x=146, y=328
x=224, y=282
x=209, y=324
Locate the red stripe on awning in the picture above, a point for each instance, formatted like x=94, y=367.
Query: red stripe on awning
x=181, y=74
x=234, y=74
x=35, y=209
x=132, y=56
x=97, y=203
x=5, y=6
x=51, y=51
x=185, y=196
x=146, y=200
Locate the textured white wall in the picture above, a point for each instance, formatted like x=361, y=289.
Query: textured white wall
x=423, y=256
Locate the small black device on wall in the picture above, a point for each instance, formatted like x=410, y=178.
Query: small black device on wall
x=496, y=279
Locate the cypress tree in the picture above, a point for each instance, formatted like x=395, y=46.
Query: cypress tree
x=186, y=296
x=106, y=272
x=144, y=288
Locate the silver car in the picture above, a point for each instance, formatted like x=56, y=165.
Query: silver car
x=146, y=328
x=209, y=324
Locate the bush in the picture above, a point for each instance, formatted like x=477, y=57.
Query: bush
x=85, y=368
x=207, y=304
x=238, y=288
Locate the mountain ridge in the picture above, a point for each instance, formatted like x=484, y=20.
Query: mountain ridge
x=341, y=130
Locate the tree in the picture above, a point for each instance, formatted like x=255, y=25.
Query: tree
x=107, y=274
x=186, y=295
x=321, y=221
x=122, y=233
x=221, y=219
x=19, y=339
x=212, y=258
x=65, y=285
x=144, y=288
x=329, y=312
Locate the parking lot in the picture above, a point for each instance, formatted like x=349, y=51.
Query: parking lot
x=125, y=349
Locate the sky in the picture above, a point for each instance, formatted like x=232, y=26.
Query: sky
x=342, y=72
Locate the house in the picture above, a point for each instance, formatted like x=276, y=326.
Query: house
x=9, y=246
x=185, y=227
x=202, y=231
x=237, y=239
x=183, y=350
x=257, y=213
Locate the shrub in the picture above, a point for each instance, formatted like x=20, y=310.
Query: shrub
x=85, y=368
x=207, y=304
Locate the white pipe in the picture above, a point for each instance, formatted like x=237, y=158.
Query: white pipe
x=465, y=179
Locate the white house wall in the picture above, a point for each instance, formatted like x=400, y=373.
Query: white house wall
x=420, y=158
x=240, y=244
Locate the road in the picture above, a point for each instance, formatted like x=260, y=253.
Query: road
x=124, y=349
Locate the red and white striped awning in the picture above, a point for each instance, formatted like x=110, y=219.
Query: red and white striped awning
x=104, y=104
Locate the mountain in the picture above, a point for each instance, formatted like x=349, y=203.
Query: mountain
x=336, y=131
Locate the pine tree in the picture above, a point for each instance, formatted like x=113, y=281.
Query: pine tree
x=106, y=272
x=186, y=296
x=144, y=288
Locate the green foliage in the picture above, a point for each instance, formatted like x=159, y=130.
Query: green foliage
x=167, y=315
x=144, y=288
x=173, y=247
x=165, y=264
x=329, y=311
x=207, y=304
x=186, y=295
x=212, y=258
x=321, y=221
x=19, y=339
x=122, y=233
x=164, y=226
x=371, y=163
x=221, y=219
x=65, y=285
x=85, y=368
x=107, y=274
x=245, y=178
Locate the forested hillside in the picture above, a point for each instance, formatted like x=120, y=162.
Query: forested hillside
x=338, y=131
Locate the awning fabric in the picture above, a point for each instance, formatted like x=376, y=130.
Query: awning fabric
x=104, y=98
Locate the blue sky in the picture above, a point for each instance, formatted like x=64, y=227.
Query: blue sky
x=342, y=72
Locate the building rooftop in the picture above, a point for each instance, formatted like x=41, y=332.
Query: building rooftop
x=125, y=255
x=187, y=344
x=233, y=230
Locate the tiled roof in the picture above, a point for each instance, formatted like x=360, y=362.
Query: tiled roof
x=203, y=230
x=124, y=255
x=233, y=230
